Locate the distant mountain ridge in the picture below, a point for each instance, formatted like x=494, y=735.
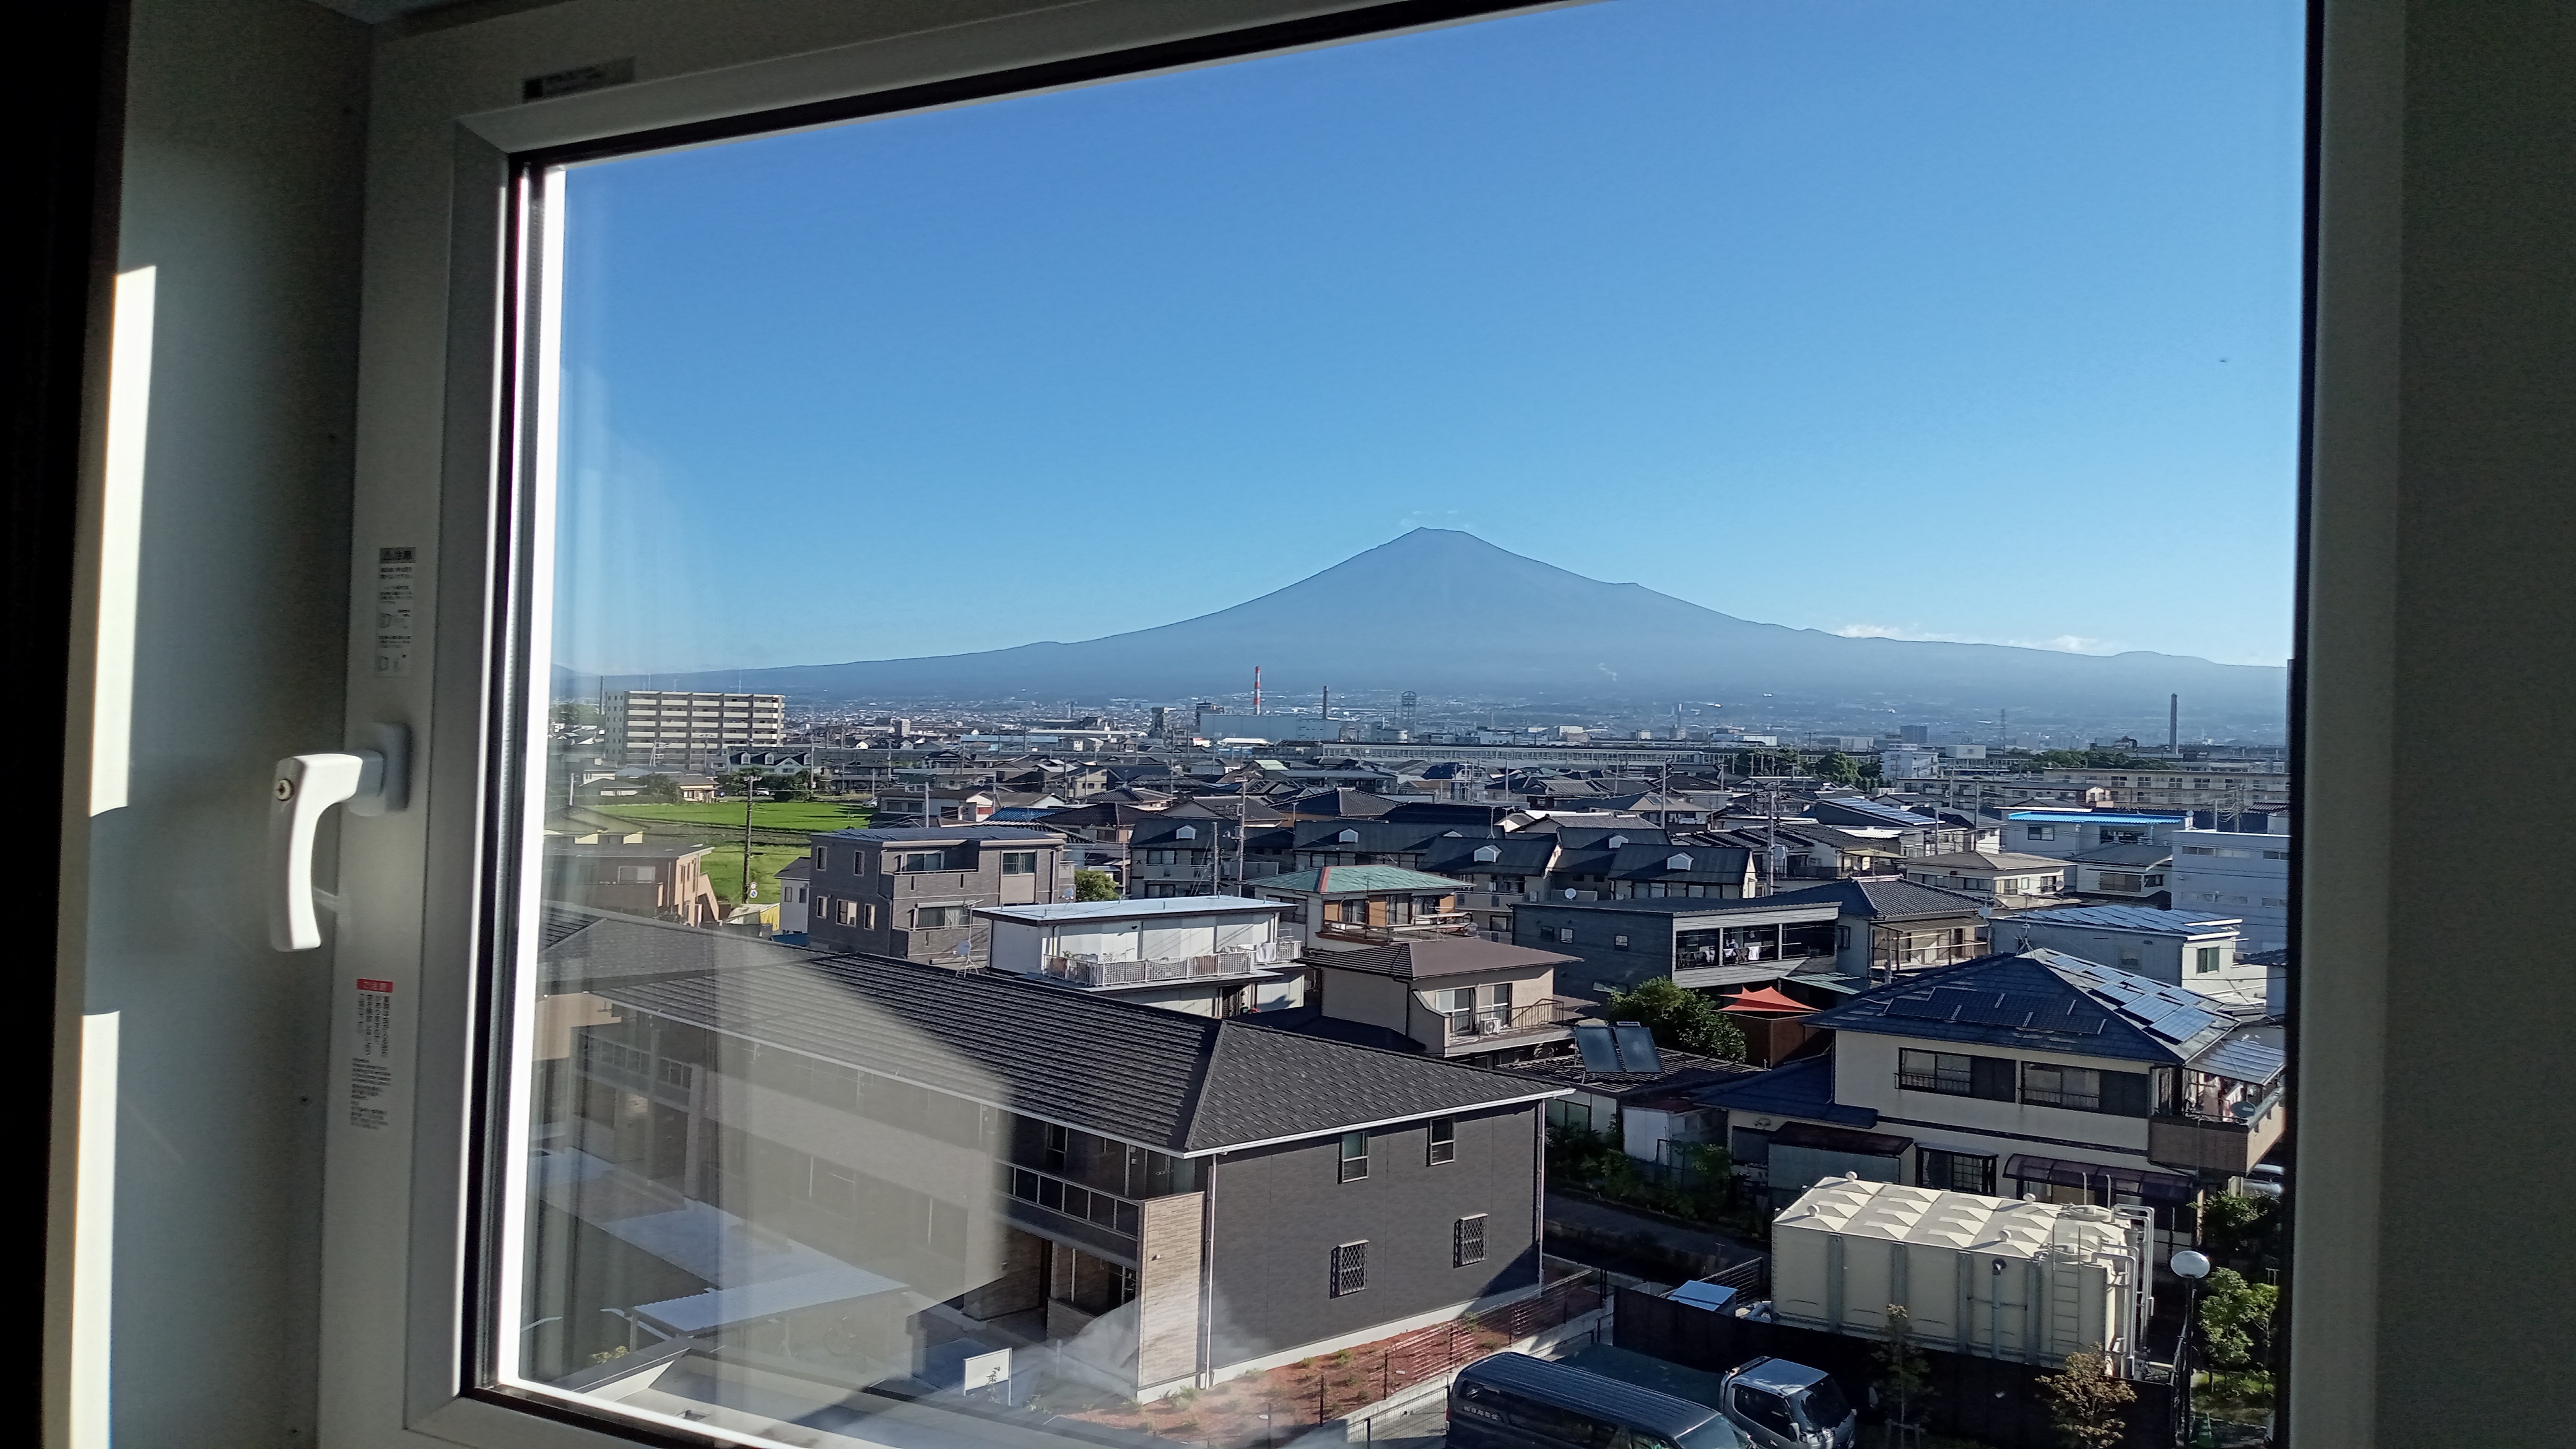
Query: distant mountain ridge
x=1446, y=613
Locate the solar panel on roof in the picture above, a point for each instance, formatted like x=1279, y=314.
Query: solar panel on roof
x=1637, y=1047
x=1592, y=1040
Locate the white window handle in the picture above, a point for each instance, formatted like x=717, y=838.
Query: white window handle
x=369, y=781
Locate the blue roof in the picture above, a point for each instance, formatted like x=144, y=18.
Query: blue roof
x=2242, y=1061
x=2044, y=1000
x=1803, y=1088
x=2099, y=817
x=2130, y=918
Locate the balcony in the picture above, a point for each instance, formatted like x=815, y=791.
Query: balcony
x=1086, y=970
x=1471, y=1030
x=1421, y=928
x=2231, y=1142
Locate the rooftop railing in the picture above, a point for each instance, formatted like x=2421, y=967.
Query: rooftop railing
x=1088, y=970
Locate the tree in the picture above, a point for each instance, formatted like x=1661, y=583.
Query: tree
x=1679, y=1017
x=1904, y=1374
x=1094, y=885
x=2236, y=1319
x=1839, y=768
x=2234, y=1224
x=659, y=790
x=2085, y=1403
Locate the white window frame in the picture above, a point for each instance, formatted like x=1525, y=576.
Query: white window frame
x=442, y=117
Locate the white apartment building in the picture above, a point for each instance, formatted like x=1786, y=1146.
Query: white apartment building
x=677, y=727
x=2240, y=873
x=1909, y=762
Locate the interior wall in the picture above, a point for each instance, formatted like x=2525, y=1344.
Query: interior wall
x=242, y=177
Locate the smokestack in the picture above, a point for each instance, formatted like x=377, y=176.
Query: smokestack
x=1256, y=689
x=2173, y=722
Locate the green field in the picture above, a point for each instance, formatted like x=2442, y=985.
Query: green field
x=765, y=814
x=724, y=870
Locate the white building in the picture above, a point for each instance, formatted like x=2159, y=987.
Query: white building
x=1204, y=955
x=1909, y=762
x=2242, y=873
x=2179, y=948
x=679, y=727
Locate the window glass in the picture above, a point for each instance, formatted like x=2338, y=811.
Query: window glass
x=1267, y=386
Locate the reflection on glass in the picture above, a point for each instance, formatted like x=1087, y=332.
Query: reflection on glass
x=1311, y=978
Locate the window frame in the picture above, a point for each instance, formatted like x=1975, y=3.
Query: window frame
x=400, y=1250
x=1345, y=1158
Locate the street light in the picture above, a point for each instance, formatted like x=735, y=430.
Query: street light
x=2190, y=1267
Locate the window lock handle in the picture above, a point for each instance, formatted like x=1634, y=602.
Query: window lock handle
x=369, y=782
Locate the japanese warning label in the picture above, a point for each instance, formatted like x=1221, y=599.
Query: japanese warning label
x=394, y=582
x=371, y=1064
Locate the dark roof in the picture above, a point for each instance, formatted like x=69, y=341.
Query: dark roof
x=1895, y=900
x=1336, y=803
x=1845, y=810
x=2124, y=855
x=1515, y=854
x=1143, y=1074
x=1311, y=1021
x=1445, y=956
x=1651, y=905
x=2244, y=1060
x=2146, y=920
x=978, y=834
x=1683, y=1073
x=2044, y=1000
x=1597, y=837
x=1802, y=1088
x=1387, y=836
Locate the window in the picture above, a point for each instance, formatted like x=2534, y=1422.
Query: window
x=937, y=918
x=2084, y=1089
x=1350, y=1268
x=822, y=858
x=1618, y=943
x=1565, y=935
x=2276, y=855
x=2043, y=832
x=1955, y=1074
x=1955, y=1171
x=1444, y=1140
x=2205, y=960
x=1770, y=1411
x=916, y=861
x=1355, y=1155
x=1467, y=1241
x=1019, y=862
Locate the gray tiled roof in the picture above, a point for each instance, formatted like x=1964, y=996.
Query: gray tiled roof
x=1447, y=956
x=2044, y=1000
x=1142, y=1074
x=1888, y=899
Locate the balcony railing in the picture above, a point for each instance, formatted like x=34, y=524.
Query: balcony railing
x=1087, y=970
x=1488, y=1022
x=1916, y=958
x=1421, y=928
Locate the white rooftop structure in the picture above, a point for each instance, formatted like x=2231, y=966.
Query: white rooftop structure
x=1073, y=912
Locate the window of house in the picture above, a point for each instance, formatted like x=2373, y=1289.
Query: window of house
x=1955, y=1074
x=924, y=860
x=1350, y=1268
x=2205, y=960
x=822, y=857
x=2084, y=1089
x=1618, y=943
x=2043, y=832
x=1355, y=1156
x=937, y=918
x=1565, y=935
x=1955, y=1171
x=1467, y=1241
x=1019, y=862
x=1444, y=1139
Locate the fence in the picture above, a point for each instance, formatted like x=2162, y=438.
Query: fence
x=1987, y=1400
x=1380, y=1370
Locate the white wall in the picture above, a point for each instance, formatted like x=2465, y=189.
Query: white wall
x=2239, y=878
x=1865, y=1076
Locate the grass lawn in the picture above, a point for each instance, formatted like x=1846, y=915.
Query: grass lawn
x=765, y=814
x=724, y=870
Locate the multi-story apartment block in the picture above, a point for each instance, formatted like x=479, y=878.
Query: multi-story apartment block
x=2239, y=872
x=913, y=892
x=758, y=1140
x=679, y=727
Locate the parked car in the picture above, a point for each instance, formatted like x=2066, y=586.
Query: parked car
x=1515, y=1401
x=1784, y=1405
x=2265, y=1179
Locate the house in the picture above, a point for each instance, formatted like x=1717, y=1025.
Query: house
x=2065, y=834
x=1888, y=927
x=1455, y=997
x=1352, y=907
x=904, y=1152
x=1206, y=955
x=1181, y=855
x=1622, y=866
x=2005, y=877
x=2031, y=1075
x=1496, y=873
x=911, y=892
x=2243, y=873
x=634, y=783
x=662, y=882
x=1647, y=1108
x=795, y=896
x=1698, y=942
x=2179, y=948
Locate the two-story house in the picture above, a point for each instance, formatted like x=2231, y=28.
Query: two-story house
x=1885, y=928
x=2007, y=878
x=1696, y=941
x=632, y=876
x=2179, y=948
x=2245, y=873
x=912, y=893
x=2034, y=1075
x=1458, y=998
x=1206, y=955
x=760, y=1147
x=1646, y=864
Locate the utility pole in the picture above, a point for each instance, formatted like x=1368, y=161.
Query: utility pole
x=746, y=835
x=1771, y=846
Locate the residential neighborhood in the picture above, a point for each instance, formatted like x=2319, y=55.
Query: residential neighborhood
x=1149, y=1063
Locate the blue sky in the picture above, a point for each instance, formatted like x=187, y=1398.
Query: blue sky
x=1936, y=319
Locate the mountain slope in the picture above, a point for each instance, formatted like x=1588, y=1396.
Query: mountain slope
x=1447, y=613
